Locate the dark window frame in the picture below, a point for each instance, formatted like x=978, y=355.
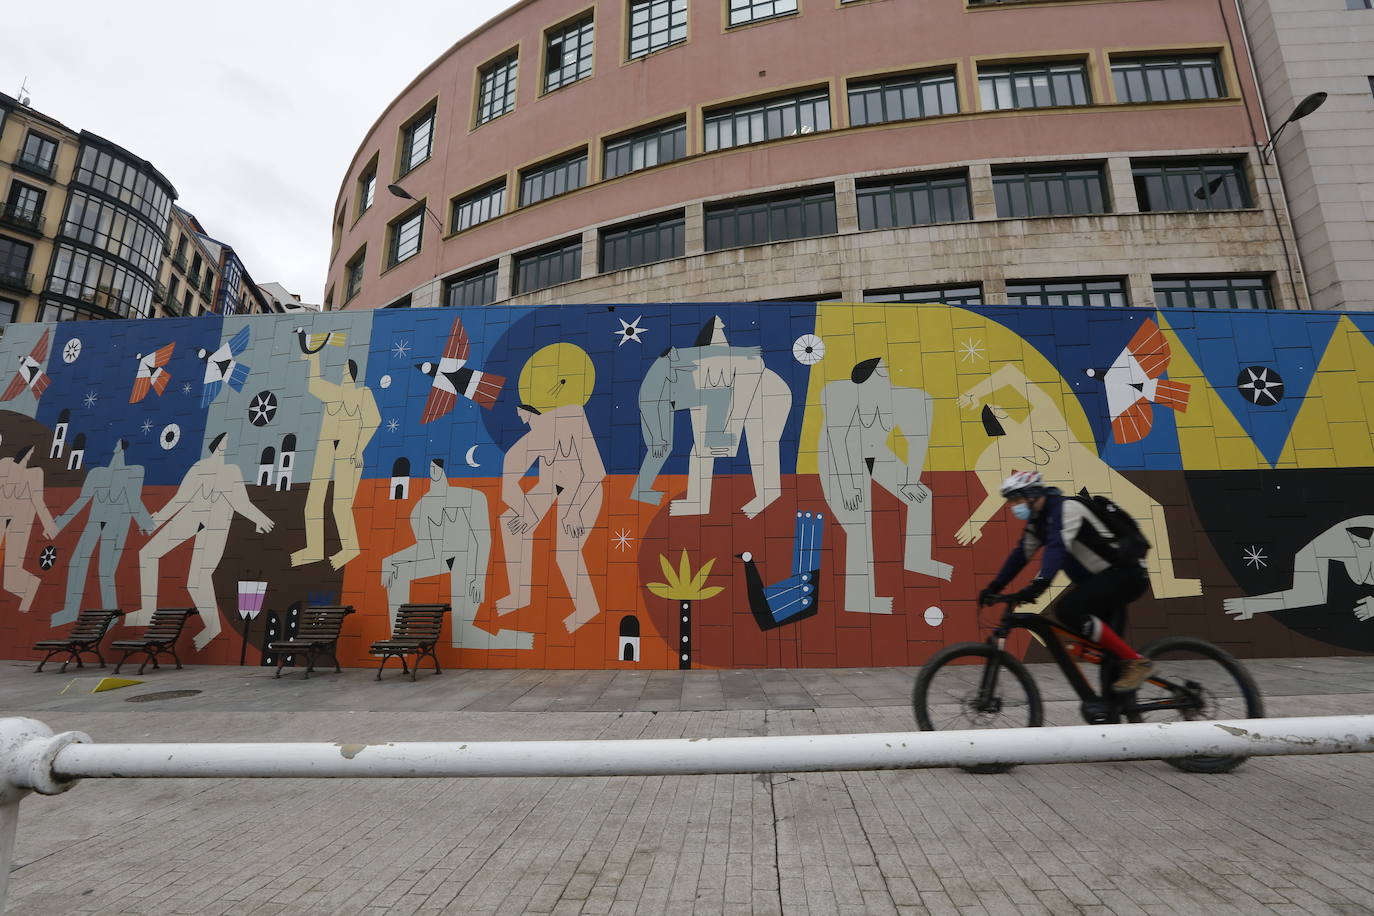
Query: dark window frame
x=642, y=242
x=553, y=177
x=34, y=165
x=767, y=117
x=367, y=188
x=1086, y=288
x=1166, y=78
x=1179, y=182
x=541, y=261
x=756, y=221
x=640, y=16
x=484, y=277
x=959, y=294
x=1050, y=70
x=477, y=201
x=917, y=189
x=402, y=224
x=1168, y=288
x=1025, y=193
x=353, y=274
x=498, y=80
x=410, y=131
x=670, y=135
x=580, y=31
x=754, y=10
x=895, y=92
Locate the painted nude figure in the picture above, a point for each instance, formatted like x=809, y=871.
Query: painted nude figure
x=730, y=395
x=560, y=444
x=861, y=414
x=115, y=496
x=21, y=500
x=211, y=493
x=1350, y=543
x=1042, y=440
x=350, y=419
x=452, y=530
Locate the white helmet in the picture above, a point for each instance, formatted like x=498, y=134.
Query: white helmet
x=1023, y=483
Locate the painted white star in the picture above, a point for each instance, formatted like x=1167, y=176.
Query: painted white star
x=1255, y=557
x=91, y=399
x=622, y=539
x=392, y=425
x=400, y=349
x=630, y=331
x=186, y=388
x=147, y=427
x=972, y=350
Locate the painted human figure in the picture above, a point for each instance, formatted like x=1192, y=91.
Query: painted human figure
x=1350, y=543
x=726, y=389
x=201, y=510
x=452, y=528
x=1043, y=441
x=115, y=496
x=21, y=500
x=861, y=414
x=570, y=471
x=349, y=421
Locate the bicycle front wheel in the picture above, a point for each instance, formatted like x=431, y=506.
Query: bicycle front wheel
x=1196, y=681
x=950, y=696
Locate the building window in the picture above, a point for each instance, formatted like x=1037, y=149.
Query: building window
x=476, y=287
x=568, y=54
x=353, y=275
x=367, y=188
x=1099, y=293
x=656, y=24
x=645, y=149
x=1359, y=4
x=561, y=263
x=1049, y=192
x=173, y=288
x=101, y=282
x=553, y=178
x=903, y=98
x=1190, y=185
x=24, y=209
x=949, y=295
x=59, y=311
x=9, y=311
x=1223, y=292
x=14, y=264
x=38, y=154
x=643, y=243
x=776, y=219
x=478, y=207
x=1168, y=79
x=189, y=305
x=760, y=121
x=417, y=140
x=404, y=235
x=1033, y=86
x=892, y=203
x=114, y=229
x=496, y=96
x=124, y=182
x=745, y=11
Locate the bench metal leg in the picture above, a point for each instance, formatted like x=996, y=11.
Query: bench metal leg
x=381, y=666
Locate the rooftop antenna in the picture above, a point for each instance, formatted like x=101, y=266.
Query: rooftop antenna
x=23, y=92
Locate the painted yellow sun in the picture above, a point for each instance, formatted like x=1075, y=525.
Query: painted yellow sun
x=556, y=376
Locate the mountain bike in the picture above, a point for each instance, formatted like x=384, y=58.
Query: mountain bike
x=981, y=685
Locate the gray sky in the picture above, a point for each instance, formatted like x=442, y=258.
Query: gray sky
x=251, y=108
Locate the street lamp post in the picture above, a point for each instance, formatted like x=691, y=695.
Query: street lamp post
x=398, y=191
x=1301, y=110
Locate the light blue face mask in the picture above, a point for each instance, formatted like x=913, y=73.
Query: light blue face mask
x=1021, y=511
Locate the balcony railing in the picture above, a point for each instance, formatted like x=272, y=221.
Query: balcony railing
x=15, y=280
x=179, y=262
x=35, y=166
x=160, y=293
x=208, y=286
x=25, y=220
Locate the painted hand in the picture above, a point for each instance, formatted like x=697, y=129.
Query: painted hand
x=265, y=526
x=475, y=589
x=853, y=497
x=49, y=532
x=574, y=528
x=516, y=524
x=915, y=492
x=1364, y=608
x=1239, y=608
x=967, y=401
x=969, y=534
x=659, y=449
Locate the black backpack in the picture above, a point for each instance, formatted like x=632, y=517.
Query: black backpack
x=1131, y=545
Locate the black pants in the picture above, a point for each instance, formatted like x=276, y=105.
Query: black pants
x=1104, y=596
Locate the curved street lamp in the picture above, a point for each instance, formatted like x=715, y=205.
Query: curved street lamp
x=1304, y=108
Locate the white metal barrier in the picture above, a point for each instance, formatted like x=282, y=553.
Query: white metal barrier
x=33, y=759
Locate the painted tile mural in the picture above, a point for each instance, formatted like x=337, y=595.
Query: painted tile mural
x=682, y=485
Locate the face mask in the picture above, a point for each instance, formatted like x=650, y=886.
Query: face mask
x=1021, y=511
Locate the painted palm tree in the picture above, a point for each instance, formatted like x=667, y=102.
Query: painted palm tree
x=684, y=587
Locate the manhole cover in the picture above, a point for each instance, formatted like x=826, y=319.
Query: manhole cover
x=162, y=695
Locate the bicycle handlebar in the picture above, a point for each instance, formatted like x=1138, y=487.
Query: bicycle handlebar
x=991, y=600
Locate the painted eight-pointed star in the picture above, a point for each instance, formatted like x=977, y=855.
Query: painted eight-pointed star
x=1254, y=557
x=1260, y=385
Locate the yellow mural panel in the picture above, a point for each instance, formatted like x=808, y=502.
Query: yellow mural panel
x=1332, y=429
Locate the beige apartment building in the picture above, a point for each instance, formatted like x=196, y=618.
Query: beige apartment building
x=1302, y=47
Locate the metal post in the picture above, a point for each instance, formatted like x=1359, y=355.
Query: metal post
x=9, y=823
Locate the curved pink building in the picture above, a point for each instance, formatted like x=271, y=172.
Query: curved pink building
x=1098, y=152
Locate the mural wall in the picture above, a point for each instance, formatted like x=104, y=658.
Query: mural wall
x=680, y=485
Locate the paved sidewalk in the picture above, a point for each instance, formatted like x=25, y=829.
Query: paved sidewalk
x=1281, y=835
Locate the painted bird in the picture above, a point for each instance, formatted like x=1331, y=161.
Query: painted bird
x=1134, y=383
x=152, y=374
x=31, y=374
x=223, y=366
x=794, y=598
x=452, y=377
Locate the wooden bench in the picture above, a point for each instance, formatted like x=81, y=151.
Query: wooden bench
x=86, y=636
x=415, y=632
x=160, y=636
x=316, y=635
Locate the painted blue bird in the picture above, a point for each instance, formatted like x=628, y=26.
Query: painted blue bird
x=223, y=366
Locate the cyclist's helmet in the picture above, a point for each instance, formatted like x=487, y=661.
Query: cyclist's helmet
x=1023, y=483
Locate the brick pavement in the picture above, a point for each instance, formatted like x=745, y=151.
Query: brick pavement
x=1281, y=835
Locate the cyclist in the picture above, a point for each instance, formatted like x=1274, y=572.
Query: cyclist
x=1077, y=542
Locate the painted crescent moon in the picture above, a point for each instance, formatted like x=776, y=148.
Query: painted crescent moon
x=472, y=463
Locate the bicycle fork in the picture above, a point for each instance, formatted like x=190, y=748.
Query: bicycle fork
x=989, y=700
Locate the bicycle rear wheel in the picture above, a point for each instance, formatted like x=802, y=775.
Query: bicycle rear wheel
x=1196, y=681
x=947, y=695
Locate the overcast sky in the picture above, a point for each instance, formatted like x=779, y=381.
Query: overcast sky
x=251, y=108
